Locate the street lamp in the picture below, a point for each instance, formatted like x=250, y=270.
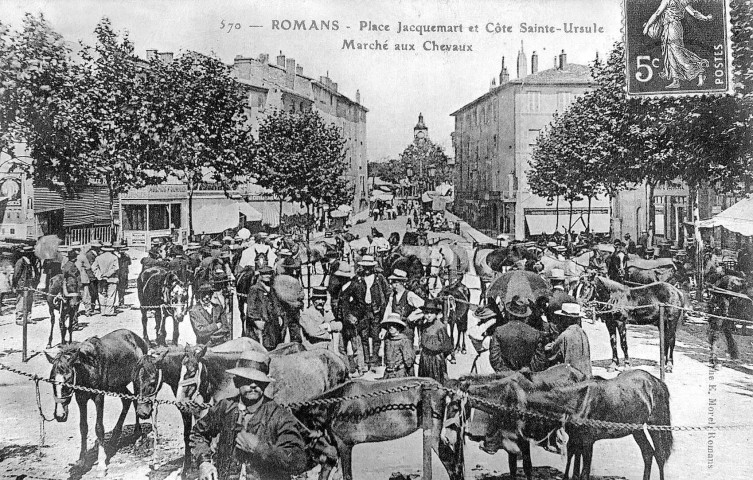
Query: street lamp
x=409, y=173
x=432, y=173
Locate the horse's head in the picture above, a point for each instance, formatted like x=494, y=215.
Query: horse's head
x=394, y=239
x=192, y=371
x=261, y=260
x=147, y=378
x=175, y=296
x=502, y=427
x=65, y=364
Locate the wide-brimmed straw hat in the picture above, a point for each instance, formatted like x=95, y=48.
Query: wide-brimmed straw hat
x=570, y=310
x=518, y=308
x=394, y=319
x=557, y=274
x=253, y=366
x=345, y=270
x=398, y=275
x=367, y=261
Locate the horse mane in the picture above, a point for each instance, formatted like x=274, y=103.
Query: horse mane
x=611, y=285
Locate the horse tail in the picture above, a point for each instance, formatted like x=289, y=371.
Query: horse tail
x=663, y=439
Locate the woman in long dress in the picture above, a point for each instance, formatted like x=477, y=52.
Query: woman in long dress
x=679, y=62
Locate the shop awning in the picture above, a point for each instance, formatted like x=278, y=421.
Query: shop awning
x=541, y=224
x=738, y=218
x=252, y=214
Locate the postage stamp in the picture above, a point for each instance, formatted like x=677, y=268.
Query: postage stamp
x=677, y=47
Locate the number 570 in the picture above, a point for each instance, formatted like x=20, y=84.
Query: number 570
x=643, y=64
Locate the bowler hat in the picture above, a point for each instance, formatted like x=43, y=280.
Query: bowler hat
x=319, y=292
x=432, y=306
x=252, y=365
x=344, y=270
x=517, y=307
x=393, y=318
x=205, y=288
x=398, y=275
x=367, y=261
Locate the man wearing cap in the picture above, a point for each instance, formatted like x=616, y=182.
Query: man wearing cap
x=320, y=329
x=257, y=439
x=71, y=295
x=208, y=320
x=404, y=303
x=571, y=346
x=105, y=268
x=373, y=293
x=24, y=276
x=153, y=259
x=347, y=310
x=264, y=313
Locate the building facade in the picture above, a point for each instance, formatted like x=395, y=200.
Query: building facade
x=493, y=139
x=282, y=85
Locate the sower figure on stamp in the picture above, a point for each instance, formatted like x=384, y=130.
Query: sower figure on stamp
x=257, y=439
x=263, y=315
x=373, y=292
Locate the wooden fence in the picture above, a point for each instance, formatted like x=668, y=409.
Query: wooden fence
x=87, y=234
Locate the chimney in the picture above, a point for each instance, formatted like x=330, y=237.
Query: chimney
x=358, y=97
x=505, y=76
x=522, y=62
x=334, y=86
x=563, y=60
x=493, y=84
x=555, y=61
x=290, y=66
x=534, y=63
x=299, y=70
x=281, y=60
x=264, y=58
x=502, y=72
x=150, y=54
x=166, y=57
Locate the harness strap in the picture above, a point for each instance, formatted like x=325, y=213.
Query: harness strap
x=67, y=397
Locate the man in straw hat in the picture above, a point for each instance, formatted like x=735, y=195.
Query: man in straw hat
x=105, y=268
x=404, y=302
x=571, y=346
x=257, y=439
x=558, y=296
x=24, y=277
x=373, y=292
x=347, y=310
x=320, y=329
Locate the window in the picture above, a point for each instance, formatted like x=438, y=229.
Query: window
x=175, y=214
x=563, y=100
x=495, y=111
x=134, y=217
x=534, y=101
x=533, y=135
x=159, y=217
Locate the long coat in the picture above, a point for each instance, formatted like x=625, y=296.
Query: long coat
x=315, y=335
x=23, y=274
x=573, y=349
x=513, y=346
x=264, y=310
x=279, y=455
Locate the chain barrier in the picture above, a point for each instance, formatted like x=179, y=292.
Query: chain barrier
x=598, y=424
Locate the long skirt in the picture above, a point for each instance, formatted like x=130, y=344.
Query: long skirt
x=433, y=365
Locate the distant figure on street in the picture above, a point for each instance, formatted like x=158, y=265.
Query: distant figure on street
x=399, y=355
x=24, y=277
x=106, y=269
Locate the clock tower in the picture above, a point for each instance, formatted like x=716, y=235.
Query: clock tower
x=420, y=131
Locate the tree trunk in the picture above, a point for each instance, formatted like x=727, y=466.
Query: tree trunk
x=588, y=227
x=557, y=217
x=279, y=226
x=190, y=210
x=699, y=257
x=651, y=221
x=308, y=251
x=111, y=196
x=570, y=223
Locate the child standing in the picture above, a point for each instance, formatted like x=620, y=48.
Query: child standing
x=435, y=343
x=399, y=355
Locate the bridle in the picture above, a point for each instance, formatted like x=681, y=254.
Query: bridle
x=160, y=382
x=64, y=400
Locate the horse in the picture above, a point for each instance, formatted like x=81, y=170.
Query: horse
x=356, y=415
x=161, y=291
x=617, y=307
x=245, y=279
x=643, y=272
x=617, y=266
x=68, y=310
x=456, y=307
x=394, y=239
x=488, y=387
x=198, y=374
x=102, y=363
x=634, y=397
x=410, y=264
x=731, y=297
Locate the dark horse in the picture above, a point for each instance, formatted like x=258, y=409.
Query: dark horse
x=619, y=305
x=634, y=397
x=102, y=363
x=246, y=279
x=162, y=292
x=198, y=374
x=456, y=298
x=365, y=419
x=489, y=387
x=68, y=310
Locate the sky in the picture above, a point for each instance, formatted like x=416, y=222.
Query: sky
x=394, y=85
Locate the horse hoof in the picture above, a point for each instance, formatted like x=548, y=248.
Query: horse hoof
x=668, y=368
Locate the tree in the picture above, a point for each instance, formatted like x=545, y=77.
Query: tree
x=421, y=156
x=301, y=158
x=202, y=133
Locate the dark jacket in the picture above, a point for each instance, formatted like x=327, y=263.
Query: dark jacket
x=265, y=307
x=399, y=356
x=279, y=455
x=513, y=346
x=205, y=324
x=572, y=348
x=23, y=274
x=380, y=294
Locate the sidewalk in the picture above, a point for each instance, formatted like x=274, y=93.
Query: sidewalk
x=468, y=231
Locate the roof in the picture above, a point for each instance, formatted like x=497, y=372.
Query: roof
x=738, y=218
x=572, y=74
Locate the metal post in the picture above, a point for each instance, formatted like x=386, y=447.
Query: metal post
x=662, y=360
x=426, y=420
x=25, y=349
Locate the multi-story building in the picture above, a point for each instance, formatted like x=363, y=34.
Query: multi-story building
x=282, y=85
x=493, y=140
